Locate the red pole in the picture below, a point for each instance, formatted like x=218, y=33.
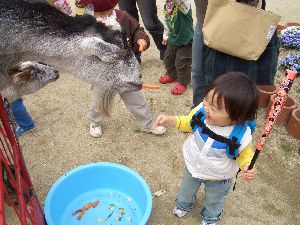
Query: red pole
x=22, y=182
x=274, y=113
x=2, y=212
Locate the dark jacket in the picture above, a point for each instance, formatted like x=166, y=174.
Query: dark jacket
x=133, y=30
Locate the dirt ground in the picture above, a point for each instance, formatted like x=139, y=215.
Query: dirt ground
x=61, y=142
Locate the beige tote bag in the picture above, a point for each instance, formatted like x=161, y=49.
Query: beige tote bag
x=238, y=29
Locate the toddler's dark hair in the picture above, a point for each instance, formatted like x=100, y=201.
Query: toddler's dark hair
x=240, y=95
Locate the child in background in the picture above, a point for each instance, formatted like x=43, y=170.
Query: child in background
x=104, y=12
x=178, y=37
x=64, y=6
x=231, y=100
x=147, y=10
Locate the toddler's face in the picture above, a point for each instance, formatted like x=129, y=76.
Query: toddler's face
x=215, y=115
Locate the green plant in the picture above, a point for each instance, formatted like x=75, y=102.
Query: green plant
x=287, y=147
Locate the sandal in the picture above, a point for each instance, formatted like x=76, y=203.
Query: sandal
x=165, y=79
x=178, y=89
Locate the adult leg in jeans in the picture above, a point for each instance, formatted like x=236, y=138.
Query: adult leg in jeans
x=215, y=192
x=22, y=117
x=198, y=82
x=186, y=198
x=136, y=104
x=148, y=12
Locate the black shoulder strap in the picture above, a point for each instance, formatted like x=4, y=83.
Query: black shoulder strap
x=196, y=119
x=232, y=143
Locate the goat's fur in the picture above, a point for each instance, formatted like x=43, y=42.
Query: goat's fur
x=78, y=45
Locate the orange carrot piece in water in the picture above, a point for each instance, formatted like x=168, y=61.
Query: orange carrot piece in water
x=95, y=203
x=82, y=210
x=80, y=215
x=77, y=211
x=87, y=206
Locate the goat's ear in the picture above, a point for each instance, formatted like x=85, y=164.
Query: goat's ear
x=18, y=75
x=95, y=46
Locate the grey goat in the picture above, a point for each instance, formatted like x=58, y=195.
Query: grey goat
x=91, y=51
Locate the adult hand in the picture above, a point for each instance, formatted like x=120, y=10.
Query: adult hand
x=142, y=45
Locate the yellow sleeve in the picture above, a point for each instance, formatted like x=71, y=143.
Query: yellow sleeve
x=183, y=122
x=245, y=156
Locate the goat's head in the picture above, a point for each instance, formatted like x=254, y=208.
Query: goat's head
x=26, y=78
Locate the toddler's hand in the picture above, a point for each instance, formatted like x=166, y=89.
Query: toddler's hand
x=165, y=121
x=164, y=42
x=248, y=174
x=142, y=45
x=161, y=120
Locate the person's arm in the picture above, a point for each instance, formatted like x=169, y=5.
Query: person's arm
x=181, y=123
x=133, y=29
x=183, y=5
x=166, y=32
x=244, y=160
x=245, y=156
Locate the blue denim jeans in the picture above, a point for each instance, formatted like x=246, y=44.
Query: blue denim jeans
x=215, y=192
x=198, y=81
x=22, y=117
x=148, y=12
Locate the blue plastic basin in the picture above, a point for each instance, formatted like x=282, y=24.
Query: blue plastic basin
x=124, y=196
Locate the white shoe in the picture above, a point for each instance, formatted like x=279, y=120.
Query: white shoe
x=204, y=223
x=155, y=130
x=95, y=130
x=178, y=212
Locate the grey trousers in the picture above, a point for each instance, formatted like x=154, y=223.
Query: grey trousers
x=135, y=103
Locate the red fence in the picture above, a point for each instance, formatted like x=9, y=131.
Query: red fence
x=16, y=188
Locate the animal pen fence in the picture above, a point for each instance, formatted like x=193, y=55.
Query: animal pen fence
x=16, y=189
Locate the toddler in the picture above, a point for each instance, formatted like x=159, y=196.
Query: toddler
x=230, y=101
x=178, y=37
x=104, y=11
